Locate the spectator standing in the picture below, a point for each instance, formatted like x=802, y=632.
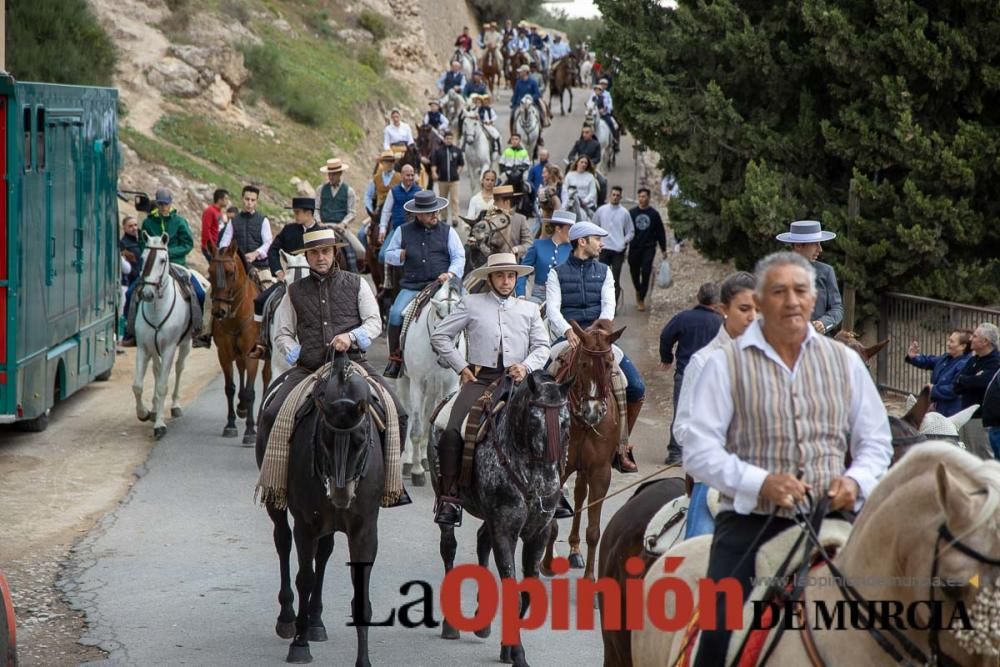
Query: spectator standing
x=212, y=220
x=971, y=383
x=689, y=330
x=446, y=168
x=944, y=369
x=616, y=221
x=649, y=232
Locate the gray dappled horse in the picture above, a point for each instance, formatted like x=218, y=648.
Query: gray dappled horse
x=517, y=472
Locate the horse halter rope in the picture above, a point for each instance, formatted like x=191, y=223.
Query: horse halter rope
x=234, y=301
x=598, y=382
x=158, y=287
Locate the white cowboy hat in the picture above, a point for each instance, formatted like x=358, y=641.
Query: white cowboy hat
x=500, y=261
x=561, y=218
x=320, y=238
x=425, y=201
x=805, y=231
x=333, y=166
x=523, y=68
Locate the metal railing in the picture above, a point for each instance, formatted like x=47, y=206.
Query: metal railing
x=904, y=318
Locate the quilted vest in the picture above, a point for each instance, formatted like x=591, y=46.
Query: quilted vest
x=427, y=255
x=325, y=306
x=332, y=208
x=399, y=198
x=452, y=79
x=246, y=234
x=580, y=283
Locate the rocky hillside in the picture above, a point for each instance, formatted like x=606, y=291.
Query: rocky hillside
x=218, y=93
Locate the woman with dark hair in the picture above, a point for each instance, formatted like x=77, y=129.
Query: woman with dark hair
x=944, y=369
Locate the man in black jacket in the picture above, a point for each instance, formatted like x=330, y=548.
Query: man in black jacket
x=972, y=382
x=446, y=168
x=649, y=232
x=690, y=330
x=587, y=145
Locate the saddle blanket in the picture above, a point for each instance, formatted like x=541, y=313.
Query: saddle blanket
x=667, y=526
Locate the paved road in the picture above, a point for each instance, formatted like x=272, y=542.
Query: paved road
x=184, y=572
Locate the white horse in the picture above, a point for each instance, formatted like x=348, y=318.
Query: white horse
x=528, y=123
x=295, y=268
x=162, y=323
x=476, y=147
x=453, y=107
x=603, y=134
x=424, y=383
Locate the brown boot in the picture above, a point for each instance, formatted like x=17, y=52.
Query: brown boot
x=260, y=350
x=640, y=305
x=626, y=464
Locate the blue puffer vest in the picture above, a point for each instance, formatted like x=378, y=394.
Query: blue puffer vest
x=580, y=282
x=427, y=255
x=399, y=199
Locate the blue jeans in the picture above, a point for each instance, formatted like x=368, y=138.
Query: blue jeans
x=388, y=238
x=399, y=305
x=363, y=236
x=699, y=518
x=994, y=434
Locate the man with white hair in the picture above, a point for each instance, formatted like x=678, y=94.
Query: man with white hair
x=775, y=411
x=972, y=382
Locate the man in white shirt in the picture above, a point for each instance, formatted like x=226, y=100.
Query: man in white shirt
x=396, y=132
x=251, y=231
x=742, y=441
x=617, y=222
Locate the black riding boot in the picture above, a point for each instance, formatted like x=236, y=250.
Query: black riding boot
x=395, y=365
x=199, y=338
x=448, y=510
x=128, y=340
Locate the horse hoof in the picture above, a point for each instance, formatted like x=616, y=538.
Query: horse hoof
x=576, y=561
x=250, y=439
x=545, y=572
x=159, y=432
x=485, y=632
x=407, y=467
x=505, y=652
x=317, y=634
x=418, y=480
x=229, y=432
x=448, y=632
x=299, y=655
x=285, y=629
x=176, y=412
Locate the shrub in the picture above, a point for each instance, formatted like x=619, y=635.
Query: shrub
x=370, y=57
x=236, y=9
x=374, y=23
x=290, y=95
x=319, y=23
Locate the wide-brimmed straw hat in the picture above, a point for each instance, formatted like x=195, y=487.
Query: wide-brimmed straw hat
x=425, y=201
x=561, y=218
x=805, y=231
x=505, y=191
x=523, y=68
x=386, y=156
x=333, y=166
x=500, y=261
x=319, y=238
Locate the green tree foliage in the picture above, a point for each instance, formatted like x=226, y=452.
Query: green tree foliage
x=767, y=110
x=500, y=10
x=57, y=41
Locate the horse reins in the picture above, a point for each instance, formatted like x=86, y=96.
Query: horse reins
x=158, y=287
x=234, y=302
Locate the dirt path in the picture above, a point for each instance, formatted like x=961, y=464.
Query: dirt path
x=56, y=485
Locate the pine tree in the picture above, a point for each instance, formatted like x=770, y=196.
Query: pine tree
x=767, y=111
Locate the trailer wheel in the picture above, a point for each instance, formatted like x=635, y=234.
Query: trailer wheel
x=36, y=425
x=8, y=633
x=104, y=377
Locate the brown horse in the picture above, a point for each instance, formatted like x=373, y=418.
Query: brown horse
x=412, y=157
x=492, y=67
x=235, y=334
x=565, y=74
x=593, y=437
x=428, y=141
x=513, y=62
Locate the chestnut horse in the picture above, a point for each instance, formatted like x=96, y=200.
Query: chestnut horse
x=594, y=436
x=492, y=68
x=565, y=74
x=513, y=62
x=235, y=333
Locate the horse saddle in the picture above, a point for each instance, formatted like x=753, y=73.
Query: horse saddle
x=668, y=525
x=183, y=277
x=271, y=307
x=412, y=311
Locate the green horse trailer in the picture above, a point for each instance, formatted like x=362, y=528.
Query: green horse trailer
x=59, y=262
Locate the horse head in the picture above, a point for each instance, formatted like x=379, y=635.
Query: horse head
x=445, y=299
x=343, y=439
x=295, y=267
x=850, y=339
x=539, y=412
x=593, y=362
x=229, y=275
x=155, y=266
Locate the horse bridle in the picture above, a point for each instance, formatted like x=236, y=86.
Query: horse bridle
x=234, y=302
x=342, y=444
x=575, y=395
x=158, y=287
x=494, y=230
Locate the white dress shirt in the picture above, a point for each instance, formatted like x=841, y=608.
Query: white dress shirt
x=705, y=455
x=617, y=222
x=265, y=234
x=553, y=302
x=394, y=135
x=477, y=205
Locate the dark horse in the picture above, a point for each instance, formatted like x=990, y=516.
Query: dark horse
x=486, y=236
x=623, y=536
x=565, y=74
x=428, y=140
x=517, y=471
x=235, y=333
x=412, y=157
x=335, y=477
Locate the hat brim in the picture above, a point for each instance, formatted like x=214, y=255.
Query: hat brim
x=823, y=236
x=482, y=272
x=329, y=244
x=304, y=208
x=324, y=170
x=439, y=204
x=554, y=221
x=507, y=195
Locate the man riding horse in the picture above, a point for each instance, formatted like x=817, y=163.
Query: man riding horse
x=428, y=252
x=166, y=220
x=506, y=337
x=289, y=239
x=602, y=102
x=329, y=308
x=337, y=207
x=582, y=289
x=250, y=230
x=526, y=86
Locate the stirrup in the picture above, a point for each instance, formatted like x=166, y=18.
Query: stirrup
x=448, y=511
